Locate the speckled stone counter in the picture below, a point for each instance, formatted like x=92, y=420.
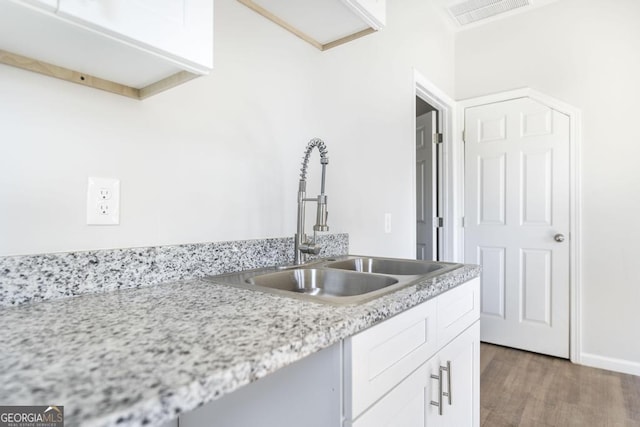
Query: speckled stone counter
x=142, y=356
x=32, y=278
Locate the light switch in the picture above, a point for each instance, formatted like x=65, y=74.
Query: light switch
x=387, y=223
x=103, y=201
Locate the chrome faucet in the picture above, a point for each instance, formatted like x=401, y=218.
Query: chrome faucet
x=303, y=246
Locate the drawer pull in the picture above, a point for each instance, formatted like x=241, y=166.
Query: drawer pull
x=448, y=370
x=439, y=402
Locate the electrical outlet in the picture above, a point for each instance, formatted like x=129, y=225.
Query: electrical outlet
x=103, y=201
x=104, y=208
x=104, y=193
x=387, y=223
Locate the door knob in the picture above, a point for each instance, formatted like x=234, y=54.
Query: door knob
x=559, y=237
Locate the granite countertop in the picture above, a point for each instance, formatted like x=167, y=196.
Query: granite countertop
x=143, y=356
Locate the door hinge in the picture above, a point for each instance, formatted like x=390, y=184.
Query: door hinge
x=438, y=222
x=464, y=139
x=464, y=223
x=437, y=138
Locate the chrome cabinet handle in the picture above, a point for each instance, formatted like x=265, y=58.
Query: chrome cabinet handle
x=559, y=237
x=449, y=392
x=439, y=402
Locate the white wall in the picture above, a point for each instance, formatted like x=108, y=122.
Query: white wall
x=218, y=158
x=367, y=111
x=583, y=52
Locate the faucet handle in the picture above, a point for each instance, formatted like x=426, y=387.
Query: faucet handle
x=320, y=227
x=310, y=248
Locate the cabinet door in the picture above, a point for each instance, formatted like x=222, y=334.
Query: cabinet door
x=459, y=365
x=404, y=406
x=182, y=29
x=378, y=358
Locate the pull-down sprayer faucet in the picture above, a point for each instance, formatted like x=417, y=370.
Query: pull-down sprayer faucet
x=302, y=245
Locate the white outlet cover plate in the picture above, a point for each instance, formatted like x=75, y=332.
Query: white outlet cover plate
x=103, y=210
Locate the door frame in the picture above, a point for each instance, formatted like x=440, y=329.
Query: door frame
x=435, y=240
x=450, y=173
x=575, y=202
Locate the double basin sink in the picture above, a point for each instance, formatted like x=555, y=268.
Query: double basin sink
x=343, y=281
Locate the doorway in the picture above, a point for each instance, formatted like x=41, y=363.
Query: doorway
x=445, y=189
x=428, y=181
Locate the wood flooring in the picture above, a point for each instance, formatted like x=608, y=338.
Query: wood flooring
x=518, y=388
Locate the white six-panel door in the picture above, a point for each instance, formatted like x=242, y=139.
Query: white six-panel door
x=516, y=217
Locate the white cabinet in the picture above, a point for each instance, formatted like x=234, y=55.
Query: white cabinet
x=378, y=357
x=457, y=310
x=454, y=382
x=306, y=393
x=373, y=12
x=392, y=374
x=323, y=23
x=403, y=406
x=418, y=399
x=396, y=372
x=176, y=28
x=134, y=48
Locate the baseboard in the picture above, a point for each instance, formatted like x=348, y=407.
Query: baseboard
x=610, y=364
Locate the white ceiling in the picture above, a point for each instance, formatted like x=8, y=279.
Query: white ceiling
x=481, y=6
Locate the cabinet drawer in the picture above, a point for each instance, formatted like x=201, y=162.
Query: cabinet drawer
x=378, y=358
x=457, y=310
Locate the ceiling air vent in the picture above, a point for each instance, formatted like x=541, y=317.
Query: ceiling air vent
x=475, y=10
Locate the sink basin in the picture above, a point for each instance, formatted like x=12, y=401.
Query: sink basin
x=387, y=266
x=315, y=281
x=346, y=281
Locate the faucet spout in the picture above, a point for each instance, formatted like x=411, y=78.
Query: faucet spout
x=303, y=246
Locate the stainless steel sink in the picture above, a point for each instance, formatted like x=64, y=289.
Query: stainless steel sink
x=314, y=281
x=388, y=266
x=345, y=281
